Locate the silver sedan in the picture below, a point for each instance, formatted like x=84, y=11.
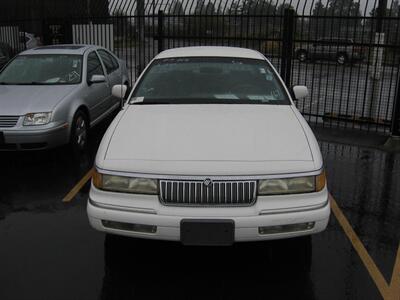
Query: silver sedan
x=52, y=95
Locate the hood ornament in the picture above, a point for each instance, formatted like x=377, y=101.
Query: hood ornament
x=207, y=182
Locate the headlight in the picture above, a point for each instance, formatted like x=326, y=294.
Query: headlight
x=124, y=184
x=37, y=119
x=295, y=185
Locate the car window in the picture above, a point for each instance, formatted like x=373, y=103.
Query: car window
x=49, y=69
x=109, y=61
x=94, y=66
x=115, y=62
x=211, y=80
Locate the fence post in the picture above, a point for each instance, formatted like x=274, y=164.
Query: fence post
x=376, y=69
x=395, y=128
x=160, y=34
x=287, y=45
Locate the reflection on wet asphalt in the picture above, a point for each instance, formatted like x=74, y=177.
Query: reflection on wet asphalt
x=366, y=184
x=48, y=250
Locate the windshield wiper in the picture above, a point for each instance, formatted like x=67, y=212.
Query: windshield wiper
x=33, y=83
x=24, y=83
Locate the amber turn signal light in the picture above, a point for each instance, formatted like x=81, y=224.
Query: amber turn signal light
x=97, y=179
x=320, y=182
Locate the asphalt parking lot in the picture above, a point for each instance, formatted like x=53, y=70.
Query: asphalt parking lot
x=49, y=251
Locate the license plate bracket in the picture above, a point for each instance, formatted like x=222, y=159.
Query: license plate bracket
x=207, y=232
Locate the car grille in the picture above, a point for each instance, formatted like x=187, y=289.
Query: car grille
x=8, y=121
x=196, y=193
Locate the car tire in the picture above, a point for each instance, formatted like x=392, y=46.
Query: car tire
x=341, y=58
x=79, y=131
x=302, y=55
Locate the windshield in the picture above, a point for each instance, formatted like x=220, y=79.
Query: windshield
x=210, y=80
x=46, y=69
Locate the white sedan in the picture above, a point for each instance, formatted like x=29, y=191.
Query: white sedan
x=209, y=150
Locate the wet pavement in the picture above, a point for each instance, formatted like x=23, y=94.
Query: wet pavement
x=49, y=251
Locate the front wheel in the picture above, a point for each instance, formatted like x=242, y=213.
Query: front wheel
x=341, y=58
x=79, y=131
x=302, y=55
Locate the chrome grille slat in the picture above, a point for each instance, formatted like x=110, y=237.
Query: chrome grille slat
x=225, y=193
x=8, y=121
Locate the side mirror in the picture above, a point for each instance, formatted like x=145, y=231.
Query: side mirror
x=119, y=90
x=97, y=79
x=300, y=92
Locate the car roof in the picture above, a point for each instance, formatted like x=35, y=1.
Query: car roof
x=60, y=49
x=211, y=51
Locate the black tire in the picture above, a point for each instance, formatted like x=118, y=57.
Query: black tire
x=341, y=58
x=79, y=131
x=302, y=55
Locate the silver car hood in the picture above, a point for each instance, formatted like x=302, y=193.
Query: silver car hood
x=18, y=100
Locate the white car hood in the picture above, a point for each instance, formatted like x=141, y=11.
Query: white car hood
x=209, y=140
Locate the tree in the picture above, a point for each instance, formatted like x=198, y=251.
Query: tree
x=258, y=26
x=207, y=25
x=391, y=25
x=210, y=9
x=122, y=25
x=319, y=9
x=176, y=8
x=280, y=10
x=199, y=7
x=258, y=7
x=348, y=8
x=338, y=26
x=318, y=22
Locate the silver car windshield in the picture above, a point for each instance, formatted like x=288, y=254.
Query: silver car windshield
x=46, y=69
x=210, y=80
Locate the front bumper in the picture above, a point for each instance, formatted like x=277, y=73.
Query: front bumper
x=147, y=210
x=22, y=139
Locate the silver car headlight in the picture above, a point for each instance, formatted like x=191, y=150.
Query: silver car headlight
x=295, y=185
x=123, y=184
x=33, y=119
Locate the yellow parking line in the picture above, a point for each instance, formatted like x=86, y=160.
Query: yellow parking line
x=75, y=190
x=362, y=252
x=394, y=292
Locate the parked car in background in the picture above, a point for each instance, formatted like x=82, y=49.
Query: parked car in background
x=335, y=49
x=210, y=150
x=52, y=95
x=29, y=40
x=5, y=54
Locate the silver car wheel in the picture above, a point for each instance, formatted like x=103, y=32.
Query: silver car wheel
x=81, y=132
x=341, y=59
